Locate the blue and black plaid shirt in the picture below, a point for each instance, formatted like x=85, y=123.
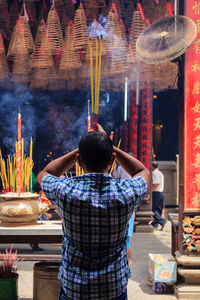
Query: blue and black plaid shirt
x=95, y=209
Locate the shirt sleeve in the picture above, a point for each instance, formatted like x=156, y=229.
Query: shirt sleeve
x=55, y=189
x=137, y=188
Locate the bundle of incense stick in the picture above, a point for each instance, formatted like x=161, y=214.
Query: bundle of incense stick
x=95, y=91
x=111, y=169
x=8, y=171
x=79, y=170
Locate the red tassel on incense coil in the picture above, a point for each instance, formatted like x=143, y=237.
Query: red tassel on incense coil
x=70, y=59
x=54, y=32
x=81, y=30
x=21, y=37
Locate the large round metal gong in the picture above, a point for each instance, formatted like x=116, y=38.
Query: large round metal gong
x=166, y=40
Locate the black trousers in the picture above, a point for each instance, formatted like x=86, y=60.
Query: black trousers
x=157, y=208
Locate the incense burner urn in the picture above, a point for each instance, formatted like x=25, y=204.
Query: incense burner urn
x=21, y=210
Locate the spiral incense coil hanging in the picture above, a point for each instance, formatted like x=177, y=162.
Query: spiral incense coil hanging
x=21, y=71
x=4, y=71
x=137, y=27
x=54, y=32
x=2, y=48
x=40, y=78
x=42, y=57
x=114, y=27
x=119, y=57
x=81, y=30
x=21, y=37
x=70, y=58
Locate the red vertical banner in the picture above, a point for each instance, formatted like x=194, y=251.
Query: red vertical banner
x=145, y=130
x=192, y=115
x=133, y=124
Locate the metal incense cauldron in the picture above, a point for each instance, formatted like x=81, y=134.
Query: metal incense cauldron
x=20, y=210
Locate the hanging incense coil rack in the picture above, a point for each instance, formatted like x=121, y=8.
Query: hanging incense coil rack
x=137, y=27
x=81, y=30
x=2, y=48
x=4, y=70
x=54, y=32
x=42, y=57
x=21, y=38
x=70, y=58
x=21, y=71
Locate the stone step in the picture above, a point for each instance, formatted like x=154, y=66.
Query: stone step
x=187, y=292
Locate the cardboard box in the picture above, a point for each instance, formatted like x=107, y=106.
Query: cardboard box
x=162, y=271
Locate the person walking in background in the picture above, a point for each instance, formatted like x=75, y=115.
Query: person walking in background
x=157, y=196
x=95, y=209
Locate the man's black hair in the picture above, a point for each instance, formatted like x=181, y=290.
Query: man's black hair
x=155, y=164
x=96, y=149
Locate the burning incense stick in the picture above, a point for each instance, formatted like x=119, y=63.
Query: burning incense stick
x=31, y=159
x=96, y=83
x=19, y=158
x=92, y=84
x=99, y=78
x=88, y=120
x=16, y=169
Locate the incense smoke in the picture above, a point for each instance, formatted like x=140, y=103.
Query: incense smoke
x=19, y=99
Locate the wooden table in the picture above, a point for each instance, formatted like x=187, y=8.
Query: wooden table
x=45, y=232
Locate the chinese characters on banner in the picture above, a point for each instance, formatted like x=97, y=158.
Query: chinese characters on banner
x=133, y=124
x=192, y=115
x=145, y=126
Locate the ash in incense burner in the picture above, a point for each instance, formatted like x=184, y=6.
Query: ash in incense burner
x=21, y=210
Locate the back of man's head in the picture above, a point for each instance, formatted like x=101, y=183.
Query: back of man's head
x=96, y=149
x=155, y=164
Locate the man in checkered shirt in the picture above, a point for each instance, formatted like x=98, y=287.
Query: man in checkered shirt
x=95, y=209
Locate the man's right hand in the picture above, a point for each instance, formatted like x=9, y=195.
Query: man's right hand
x=100, y=129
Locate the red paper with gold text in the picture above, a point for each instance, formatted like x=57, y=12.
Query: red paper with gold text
x=192, y=115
